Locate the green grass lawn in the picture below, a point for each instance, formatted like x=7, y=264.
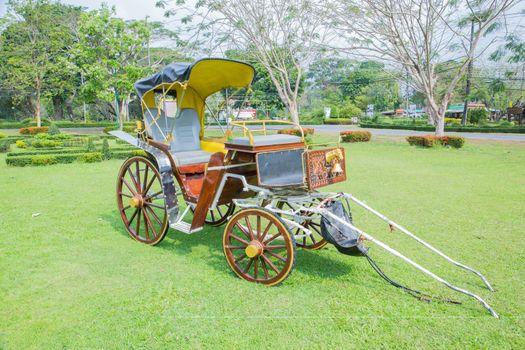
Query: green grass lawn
x=72, y=278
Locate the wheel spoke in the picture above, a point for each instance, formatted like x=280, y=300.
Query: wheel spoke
x=153, y=195
x=265, y=269
x=128, y=186
x=145, y=224
x=269, y=247
x=126, y=207
x=234, y=247
x=137, y=231
x=154, y=205
x=137, y=166
x=219, y=210
x=145, y=179
x=263, y=235
x=256, y=267
x=240, y=258
x=148, y=222
x=132, y=217
x=125, y=194
x=238, y=239
x=248, y=266
x=272, y=238
x=272, y=266
x=149, y=185
x=276, y=255
x=137, y=187
x=243, y=230
x=249, y=225
x=154, y=215
x=212, y=215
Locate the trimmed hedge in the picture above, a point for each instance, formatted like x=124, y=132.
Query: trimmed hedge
x=64, y=158
x=33, y=130
x=43, y=160
x=296, y=132
x=338, y=121
x=355, y=136
x=61, y=124
x=64, y=151
x=431, y=141
x=487, y=129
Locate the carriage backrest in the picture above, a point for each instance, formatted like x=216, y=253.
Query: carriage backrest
x=186, y=134
x=159, y=128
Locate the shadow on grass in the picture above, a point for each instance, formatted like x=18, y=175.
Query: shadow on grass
x=314, y=263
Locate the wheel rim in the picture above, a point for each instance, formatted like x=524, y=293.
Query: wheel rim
x=258, y=247
x=310, y=242
x=140, y=200
x=220, y=214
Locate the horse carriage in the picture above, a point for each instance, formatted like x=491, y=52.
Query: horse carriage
x=263, y=186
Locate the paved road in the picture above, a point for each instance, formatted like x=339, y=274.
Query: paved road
x=394, y=132
x=338, y=128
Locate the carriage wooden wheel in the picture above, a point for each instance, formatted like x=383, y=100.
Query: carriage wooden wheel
x=310, y=242
x=140, y=200
x=258, y=246
x=220, y=214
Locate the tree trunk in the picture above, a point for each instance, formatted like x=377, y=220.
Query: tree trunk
x=58, y=108
x=37, y=107
x=294, y=111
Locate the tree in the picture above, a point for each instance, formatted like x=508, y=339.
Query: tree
x=281, y=35
x=32, y=50
x=416, y=35
x=111, y=55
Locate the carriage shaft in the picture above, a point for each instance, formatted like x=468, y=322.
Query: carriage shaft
x=394, y=252
x=413, y=236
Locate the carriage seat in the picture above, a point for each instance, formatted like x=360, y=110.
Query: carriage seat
x=266, y=140
x=186, y=146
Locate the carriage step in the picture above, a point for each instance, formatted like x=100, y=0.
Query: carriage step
x=184, y=227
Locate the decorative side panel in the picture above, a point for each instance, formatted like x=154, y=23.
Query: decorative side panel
x=324, y=167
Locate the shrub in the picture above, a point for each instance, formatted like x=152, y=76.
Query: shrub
x=91, y=157
x=2, y=135
x=296, y=132
x=45, y=143
x=349, y=110
x=106, y=152
x=43, y=160
x=431, y=141
x=33, y=130
x=53, y=129
x=355, y=136
x=21, y=144
x=90, y=145
x=455, y=141
x=5, y=145
x=477, y=116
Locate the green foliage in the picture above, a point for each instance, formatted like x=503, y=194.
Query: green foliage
x=2, y=135
x=338, y=121
x=106, y=152
x=489, y=128
x=20, y=144
x=45, y=143
x=477, y=116
x=53, y=129
x=91, y=157
x=349, y=110
x=355, y=136
x=90, y=147
x=43, y=160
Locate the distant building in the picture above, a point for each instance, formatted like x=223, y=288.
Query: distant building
x=456, y=111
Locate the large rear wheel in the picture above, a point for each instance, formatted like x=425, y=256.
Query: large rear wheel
x=258, y=246
x=140, y=200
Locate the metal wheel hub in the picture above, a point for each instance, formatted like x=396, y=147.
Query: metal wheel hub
x=137, y=201
x=255, y=248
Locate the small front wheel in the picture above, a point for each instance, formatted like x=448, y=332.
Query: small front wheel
x=259, y=247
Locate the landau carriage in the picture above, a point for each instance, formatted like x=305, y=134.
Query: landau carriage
x=263, y=186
